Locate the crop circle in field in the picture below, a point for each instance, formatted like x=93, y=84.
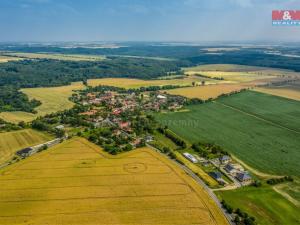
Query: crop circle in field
x=135, y=167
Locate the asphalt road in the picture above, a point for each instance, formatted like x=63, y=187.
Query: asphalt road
x=199, y=181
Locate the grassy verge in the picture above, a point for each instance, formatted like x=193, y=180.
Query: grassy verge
x=266, y=205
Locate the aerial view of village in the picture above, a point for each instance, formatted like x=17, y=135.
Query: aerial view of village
x=140, y=113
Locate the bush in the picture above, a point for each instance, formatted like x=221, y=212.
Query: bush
x=274, y=181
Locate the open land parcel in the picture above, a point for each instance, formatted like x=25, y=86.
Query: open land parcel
x=53, y=99
x=246, y=132
x=10, y=142
x=76, y=182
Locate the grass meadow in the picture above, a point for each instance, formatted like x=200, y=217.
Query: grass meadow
x=261, y=130
x=10, y=142
x=53, y=99
x=77, y=183
x=266, y=205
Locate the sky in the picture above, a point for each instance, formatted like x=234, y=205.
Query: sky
x=144, y=20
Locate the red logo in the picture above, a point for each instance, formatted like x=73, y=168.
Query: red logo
x=286, y=15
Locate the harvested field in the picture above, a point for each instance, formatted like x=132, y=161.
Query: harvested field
x=17, y=116
x=207, y=91
x=137, y=83
x=290, y=90
x=57, y=56
x=240, y=73
x=227, y=68
x=139, y=187
x=10, y=142
x=235, y=76
x=4, y=59
x=53, y=99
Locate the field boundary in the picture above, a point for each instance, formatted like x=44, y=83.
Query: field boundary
x=286, y=195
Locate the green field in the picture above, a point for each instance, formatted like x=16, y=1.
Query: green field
x=10, y=142
x=278, y=110
x=261, y=130
x=266, y=205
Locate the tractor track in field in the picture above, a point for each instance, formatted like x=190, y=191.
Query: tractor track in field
x=257, y=117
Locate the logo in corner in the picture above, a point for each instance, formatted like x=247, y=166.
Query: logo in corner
x=286, y=17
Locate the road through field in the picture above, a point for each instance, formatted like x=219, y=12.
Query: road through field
x=201, y=183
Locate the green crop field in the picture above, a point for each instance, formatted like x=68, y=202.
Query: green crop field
x=261, y=131
x=10, y=142
x=266, y=205
x=278, y=110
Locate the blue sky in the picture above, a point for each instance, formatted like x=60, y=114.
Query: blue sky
x=144, y=20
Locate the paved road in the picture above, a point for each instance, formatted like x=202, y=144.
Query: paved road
x=199, y=181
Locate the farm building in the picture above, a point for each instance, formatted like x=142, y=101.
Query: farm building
x=161, y=97
x=60, y=127
x=190, y=157
x=25, y=152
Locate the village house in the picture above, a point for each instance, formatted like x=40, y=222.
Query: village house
x=124, y=125
x=91, y=95
x=244, y=177
x=217, y=176
x=91, y=112
x=224, y=159
x=233, y=168
x=148, y=138
x=117, y=111
x=136, y=142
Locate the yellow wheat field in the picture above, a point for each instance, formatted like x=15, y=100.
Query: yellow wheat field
x=4, y=59
x=10, y=142
x=137, y=83
x=282, y=92
x=77, y=183
x=70, y=57
x=240, y=73
x=207, y=91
